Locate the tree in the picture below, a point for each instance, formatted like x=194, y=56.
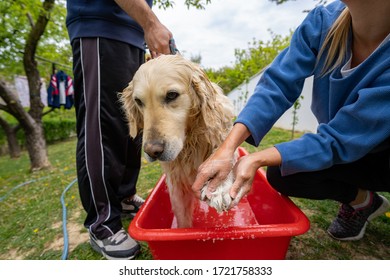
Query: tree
x=198, y=4
x=31, y=121
x=248, y=62
x=20, y=34
x=278, y=2
x=18, y=17
x=295, y=119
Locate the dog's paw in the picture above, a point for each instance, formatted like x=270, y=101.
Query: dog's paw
x=220, y=199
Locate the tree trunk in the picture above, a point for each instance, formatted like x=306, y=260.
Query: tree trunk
x=35, y=139
x=13, y=145
x=31, y=122
x=10, y=132
x=36, y=147
x=33, y=130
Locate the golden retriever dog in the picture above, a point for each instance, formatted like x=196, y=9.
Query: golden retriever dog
x=183, y=117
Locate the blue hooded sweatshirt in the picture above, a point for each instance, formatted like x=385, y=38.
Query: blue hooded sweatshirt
x=103, y=18
x=353, y=111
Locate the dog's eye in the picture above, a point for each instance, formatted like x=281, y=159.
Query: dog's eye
x=171, y=95
x=138, y=101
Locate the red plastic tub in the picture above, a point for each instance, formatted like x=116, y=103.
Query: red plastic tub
x=259, y=227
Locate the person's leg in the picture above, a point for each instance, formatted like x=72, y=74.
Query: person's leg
x=124, y=153
x=340, y=182
x=103, y=155
x=354, y=185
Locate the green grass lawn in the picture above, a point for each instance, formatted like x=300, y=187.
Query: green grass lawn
x=31, y=213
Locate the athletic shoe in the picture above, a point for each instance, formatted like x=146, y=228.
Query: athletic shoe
x=119, y=246
x=350, y=223
x=130, y=206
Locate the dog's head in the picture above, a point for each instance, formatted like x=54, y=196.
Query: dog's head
x=167, y=97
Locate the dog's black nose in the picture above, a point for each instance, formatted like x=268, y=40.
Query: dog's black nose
x=154, y=149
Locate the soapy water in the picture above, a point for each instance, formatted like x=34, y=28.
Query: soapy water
x=207, y=217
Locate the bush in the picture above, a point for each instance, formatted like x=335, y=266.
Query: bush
x=56, y=129
x=58, y=125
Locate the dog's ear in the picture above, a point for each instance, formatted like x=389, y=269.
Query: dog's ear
x=210, y=101
x=213, y=108
x=205, y=93
x=132, y=112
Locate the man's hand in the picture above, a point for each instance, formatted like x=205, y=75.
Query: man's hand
x=157, y=36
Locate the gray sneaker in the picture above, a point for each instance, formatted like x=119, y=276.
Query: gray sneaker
x=130, y=206
x=350, y=224
x=119, y=246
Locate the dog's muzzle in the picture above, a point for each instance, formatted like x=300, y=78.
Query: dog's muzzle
x=154, y=149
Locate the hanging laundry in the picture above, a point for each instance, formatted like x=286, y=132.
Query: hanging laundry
x=60, y=91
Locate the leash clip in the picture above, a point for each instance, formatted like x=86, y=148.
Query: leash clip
x=172, y=46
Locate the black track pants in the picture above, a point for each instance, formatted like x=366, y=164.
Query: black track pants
x=340, y=182
x=108, y=160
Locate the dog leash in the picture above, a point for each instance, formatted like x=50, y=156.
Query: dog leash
x=172, y=46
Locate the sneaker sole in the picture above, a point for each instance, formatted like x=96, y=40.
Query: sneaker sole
x=108, y=257
x=381, y=210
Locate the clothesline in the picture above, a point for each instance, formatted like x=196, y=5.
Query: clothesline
x=51, y=61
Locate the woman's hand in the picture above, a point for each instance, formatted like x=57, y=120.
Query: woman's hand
x=217, y=167
x=213, y=172
x=244, y=172
x=245, y=169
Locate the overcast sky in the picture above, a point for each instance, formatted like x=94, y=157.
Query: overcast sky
x=214, y=33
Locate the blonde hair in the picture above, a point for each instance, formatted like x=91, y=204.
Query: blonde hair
x=336, y=42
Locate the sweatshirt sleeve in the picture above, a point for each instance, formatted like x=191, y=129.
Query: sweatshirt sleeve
x=282, y=83
x=355, y=130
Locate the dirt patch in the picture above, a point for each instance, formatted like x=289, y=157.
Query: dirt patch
x=14, y=254
x=77, y=234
